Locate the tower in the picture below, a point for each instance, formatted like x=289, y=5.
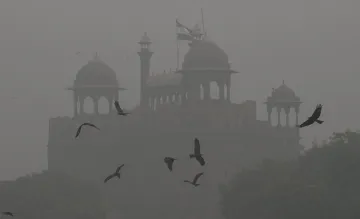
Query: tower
x=145, y=56
x=283, y=98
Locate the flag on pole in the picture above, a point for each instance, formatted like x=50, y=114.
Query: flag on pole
x=183, y=33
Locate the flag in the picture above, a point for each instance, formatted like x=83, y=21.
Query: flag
x=183, y=33
x=184, y=36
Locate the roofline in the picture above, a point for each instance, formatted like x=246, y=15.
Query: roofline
x=276, y=101
x=94, y=86
x=231, y=71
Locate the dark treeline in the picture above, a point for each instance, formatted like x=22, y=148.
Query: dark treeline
x=321, y=183
x=51, y=195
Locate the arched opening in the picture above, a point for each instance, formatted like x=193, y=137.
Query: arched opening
x=201, y=92
x=214, y=90
x=274, y=118
x=292, y=117
x=180, y=99
x=103, y=106
x=78, y=107
x=88, y=105
x=225, y=92
x=155, y=103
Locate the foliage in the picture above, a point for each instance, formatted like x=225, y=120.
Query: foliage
x=322, y=183
x=50, y=194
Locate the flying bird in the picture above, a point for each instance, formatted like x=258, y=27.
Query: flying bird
x=116, y=174
x=196, y=178
x=119, y=110
x=85, y=124
x=169, y=162
x=313, y=118
x=197, y=155
x=7, y=213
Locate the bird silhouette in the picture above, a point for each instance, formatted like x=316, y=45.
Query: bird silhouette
x=116, y=174
x=194, y=182
x=85, y=124
x=169, y=162
x=7, y=213
x=313, y=118
x=119, y=110
x=197, y=155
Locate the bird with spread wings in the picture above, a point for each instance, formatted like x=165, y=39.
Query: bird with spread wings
x=313, y=118
x=169, y=161
x=116, y=174
x=85, y=124
x=119, y=110
x=7, y=213
x=197, y=154
x=196, y=178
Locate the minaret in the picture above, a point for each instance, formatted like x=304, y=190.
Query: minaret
x=145, y=55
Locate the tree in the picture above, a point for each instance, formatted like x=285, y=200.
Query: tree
x=51, y=194
x=322, y=183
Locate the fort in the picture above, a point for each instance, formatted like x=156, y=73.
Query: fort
x=175, y=107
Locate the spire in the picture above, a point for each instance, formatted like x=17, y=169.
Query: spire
x=145, y=39
x=96, y=57
x=283, y=82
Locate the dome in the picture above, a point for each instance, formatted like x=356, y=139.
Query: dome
x=96, y=73
x=204, y=54
x=284, y=93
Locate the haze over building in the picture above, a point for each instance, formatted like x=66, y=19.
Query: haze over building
x=175, y=107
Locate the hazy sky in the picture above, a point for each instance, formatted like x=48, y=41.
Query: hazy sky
x=314, y=45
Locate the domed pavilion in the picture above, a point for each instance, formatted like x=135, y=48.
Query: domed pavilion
x=285, y=98
x=95, y=80
x=205, y=62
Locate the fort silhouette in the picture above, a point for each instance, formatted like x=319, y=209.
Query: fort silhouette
x=175, y=108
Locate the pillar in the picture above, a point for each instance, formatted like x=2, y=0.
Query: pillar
x=228, y=85
x=297, y=115
x=180, y=98
x=269, y=111
x=206, y=89
x=287, y=111
x=278, y=117
x=76, y=100
x=111, y=102
x=195, y=94
x=96, y=105
x=221, y=90
x=81, y=100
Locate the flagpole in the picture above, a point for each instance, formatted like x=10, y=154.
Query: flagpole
x=202, y=20
x=177, y=54
x=177, y=49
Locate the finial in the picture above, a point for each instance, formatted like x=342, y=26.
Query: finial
x=96, y=57
x=283, y=82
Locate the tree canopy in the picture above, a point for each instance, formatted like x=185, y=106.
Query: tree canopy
x=51, y=194
x=321, y=183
